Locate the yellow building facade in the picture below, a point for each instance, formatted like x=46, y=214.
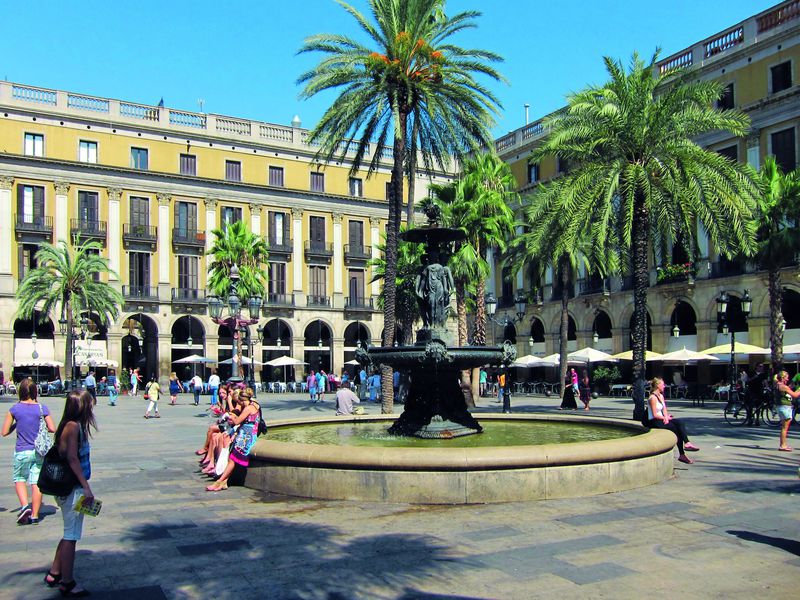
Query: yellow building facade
x=758, y=60
x=151, y=183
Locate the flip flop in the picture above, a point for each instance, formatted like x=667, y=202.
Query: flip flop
x=787, y=449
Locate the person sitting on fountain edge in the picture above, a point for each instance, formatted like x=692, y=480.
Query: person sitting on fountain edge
x=345, y=398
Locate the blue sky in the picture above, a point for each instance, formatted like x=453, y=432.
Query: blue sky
x=240, y=56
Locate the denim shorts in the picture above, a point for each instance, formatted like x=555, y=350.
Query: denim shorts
x=73, y=520
x=26, y=466
x=785, y=412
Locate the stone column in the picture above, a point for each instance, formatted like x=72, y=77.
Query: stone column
x=6, y=236
x=338, y=262
x=211, y=225
x=61, y=229
x=164, y=250
x=114, y=230
x=375, y=236
x=164, y=358
x=255, y=218
x=297, y=253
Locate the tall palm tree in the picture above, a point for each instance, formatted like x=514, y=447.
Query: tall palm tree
x=487, y=189
x=66, y=282
x=634, y=163
x=478, y=204
x=778, y=240
x=235, y=244
x=410, y=78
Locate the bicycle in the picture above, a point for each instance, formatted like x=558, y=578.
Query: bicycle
x=736, y=411
x=769, y=412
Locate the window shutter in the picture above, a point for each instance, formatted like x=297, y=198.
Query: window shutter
x=38, y=202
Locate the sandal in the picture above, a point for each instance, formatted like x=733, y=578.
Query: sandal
x=691, y=447
x=786, y=449
x=55, y=579
x=217, y=487
x=685, y=459
x=67, y=589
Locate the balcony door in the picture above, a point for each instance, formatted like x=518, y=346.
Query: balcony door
x=356, y=287
x=317, y=233
x=187, y=273
x=186, y=219
x=88, y=212
x=278, y=229
x=356, y=236
x=139, y=272
x=30, y=203
x=140, y=214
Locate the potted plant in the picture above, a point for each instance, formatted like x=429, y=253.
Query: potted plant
x=605, y=377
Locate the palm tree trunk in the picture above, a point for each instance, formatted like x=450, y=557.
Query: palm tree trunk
x=390, y=277
x=776, y=319
x=68, y=353
x=479, y=339
x=412, y=168
x=564, y=330
x=461, y=311
x=467, y=377
x=640, y=284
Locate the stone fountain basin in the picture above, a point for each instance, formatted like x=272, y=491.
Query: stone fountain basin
x=462, y=475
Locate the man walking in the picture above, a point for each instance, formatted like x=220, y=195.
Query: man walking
x=197, y=385
x=213, y=387
x=91, y=385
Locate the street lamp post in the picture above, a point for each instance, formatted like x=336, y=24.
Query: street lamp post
x=234, y=321
x=521, y=302
x=68, y=328
x=723, y=320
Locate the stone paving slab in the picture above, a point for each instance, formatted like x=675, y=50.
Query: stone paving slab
x=726, y=527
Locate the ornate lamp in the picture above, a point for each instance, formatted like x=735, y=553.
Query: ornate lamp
x=491, y=304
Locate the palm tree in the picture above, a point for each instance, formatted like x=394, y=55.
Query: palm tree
x=410, y=78
x=634, y=166
x=235, y=244
x=547, y=240
x=66, y=280
x=778, y=240
x=482, y=207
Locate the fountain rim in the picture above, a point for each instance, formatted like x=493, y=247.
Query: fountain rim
x=650, y=442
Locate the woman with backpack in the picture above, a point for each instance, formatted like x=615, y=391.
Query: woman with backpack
x=25, y=416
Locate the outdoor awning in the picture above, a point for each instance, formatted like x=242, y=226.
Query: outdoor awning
x=24, y=348
x=92, y=353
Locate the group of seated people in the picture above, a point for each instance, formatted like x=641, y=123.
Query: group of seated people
x=234, y=432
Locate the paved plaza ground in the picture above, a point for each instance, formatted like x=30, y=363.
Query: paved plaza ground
x=725, y=527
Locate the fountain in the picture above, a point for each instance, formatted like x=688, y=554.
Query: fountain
x=431, y=454
x=435, y=406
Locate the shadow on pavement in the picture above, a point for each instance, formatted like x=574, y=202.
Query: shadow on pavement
x=259, y=558
x=791, y=546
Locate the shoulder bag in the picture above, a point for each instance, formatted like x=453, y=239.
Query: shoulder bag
x=56, y=477
x=43, y=441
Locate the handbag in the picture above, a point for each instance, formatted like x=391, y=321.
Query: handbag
x=43, y=441
x=262, y=425
x=56, y=477
x=222, y=460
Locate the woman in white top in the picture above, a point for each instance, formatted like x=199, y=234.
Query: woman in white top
x=658, y=417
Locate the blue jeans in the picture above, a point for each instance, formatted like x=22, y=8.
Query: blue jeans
x=112, y=395
x=196, y=396
x=214, y=395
